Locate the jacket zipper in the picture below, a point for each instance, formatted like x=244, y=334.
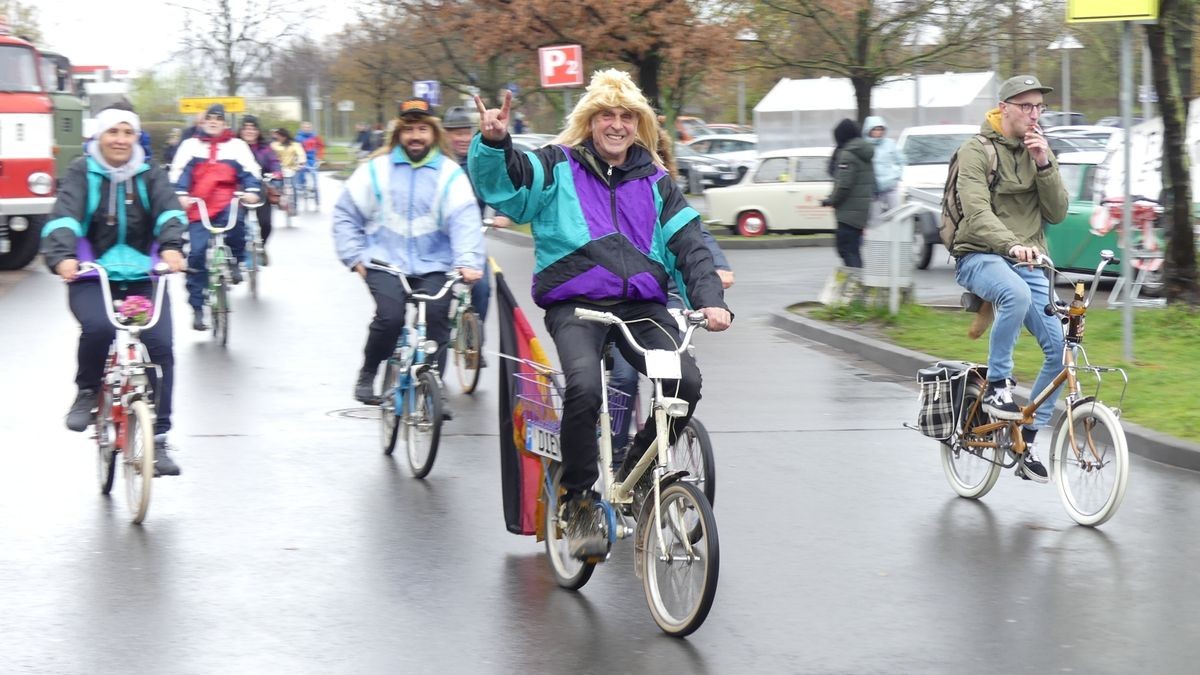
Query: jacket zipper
x=612, y=200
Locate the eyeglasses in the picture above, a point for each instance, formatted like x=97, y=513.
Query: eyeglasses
x=1029, y=107
x=214, y=117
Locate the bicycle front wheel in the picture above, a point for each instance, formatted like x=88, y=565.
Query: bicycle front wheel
x=106, y=434
x=972, y=472
x=1092, y=468
x=220, y=314
x=679, y=574
x=423, y=423
x=139, y=459
x=467, y=344
x=389, y=430
x=692, y=452
x=569, y=572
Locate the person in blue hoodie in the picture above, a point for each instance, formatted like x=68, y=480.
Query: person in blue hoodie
x=888, y=162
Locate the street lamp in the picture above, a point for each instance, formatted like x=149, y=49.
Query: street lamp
x=1066, y=43
x=745, y=35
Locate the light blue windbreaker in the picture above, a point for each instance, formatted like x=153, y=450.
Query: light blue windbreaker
x=421, y=217
x=889, y=160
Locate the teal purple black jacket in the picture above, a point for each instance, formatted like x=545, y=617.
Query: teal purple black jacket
x=601, y=233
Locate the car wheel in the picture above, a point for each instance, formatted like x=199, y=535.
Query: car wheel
x=751, y=224
x=922, y=251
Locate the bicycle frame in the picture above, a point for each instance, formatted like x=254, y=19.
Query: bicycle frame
x=1073, y=339
x=660, y=364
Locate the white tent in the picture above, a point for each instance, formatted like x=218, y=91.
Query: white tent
x=804, y=112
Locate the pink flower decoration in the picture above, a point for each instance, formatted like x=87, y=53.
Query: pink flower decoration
x=136, y=310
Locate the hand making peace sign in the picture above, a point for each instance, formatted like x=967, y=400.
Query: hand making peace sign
x=493, y=123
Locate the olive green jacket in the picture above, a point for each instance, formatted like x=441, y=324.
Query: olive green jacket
x=1024, y=200
x=854, y=183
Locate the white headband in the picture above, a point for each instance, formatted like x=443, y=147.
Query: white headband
x=111, y=117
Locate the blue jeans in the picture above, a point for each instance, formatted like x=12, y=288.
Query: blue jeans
x=1019, y=297
x=198, y=238
x=308, y=174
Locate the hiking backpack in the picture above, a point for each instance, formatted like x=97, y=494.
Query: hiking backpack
x=952, y=210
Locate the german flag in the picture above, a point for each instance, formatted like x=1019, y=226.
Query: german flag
x=524, y=393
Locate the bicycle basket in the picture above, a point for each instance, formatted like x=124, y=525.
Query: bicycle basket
x=539, y=401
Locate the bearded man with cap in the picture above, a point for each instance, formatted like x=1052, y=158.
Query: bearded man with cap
x=411, y=207
x=610, y=227
x=1003, y=225
x=211, y=166
x=120, y=211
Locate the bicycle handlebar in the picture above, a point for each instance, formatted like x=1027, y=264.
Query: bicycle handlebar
x=451, y=279
x=1044, y=261
x=694, y=320
x=159, y=270
x=230, y=222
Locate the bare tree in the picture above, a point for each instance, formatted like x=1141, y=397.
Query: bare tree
x=375, y=57
x=239, y=37
x=867, y=41
x=22, y=19
x=1176, y=21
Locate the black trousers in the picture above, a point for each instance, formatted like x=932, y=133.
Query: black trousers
x=264, y=213
x=96, y=336
x=849, y=245
x=580, y=344
x=388, y=323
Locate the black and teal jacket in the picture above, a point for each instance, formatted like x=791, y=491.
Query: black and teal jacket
x=147, y=221
x=601, y=233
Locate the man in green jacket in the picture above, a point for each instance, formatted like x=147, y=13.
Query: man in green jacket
x=1002, y=225
x=853, y=189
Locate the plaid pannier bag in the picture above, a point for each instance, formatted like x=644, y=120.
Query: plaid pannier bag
x=938, y=413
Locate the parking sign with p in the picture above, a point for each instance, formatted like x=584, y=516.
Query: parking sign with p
x=561, y=66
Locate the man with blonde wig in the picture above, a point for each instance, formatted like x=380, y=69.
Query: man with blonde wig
x=610, y=228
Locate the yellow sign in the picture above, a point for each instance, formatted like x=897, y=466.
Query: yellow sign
x=233, y=104
x=1079, y=11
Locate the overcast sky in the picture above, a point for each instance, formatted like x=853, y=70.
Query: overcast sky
x=137, y=35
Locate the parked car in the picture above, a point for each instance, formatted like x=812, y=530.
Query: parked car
x=1062, y=144
x=741, y=150
x=1073, y=244
x=689, y=128
x=711, y=171
x=783, y=192
x=1095, y=132
x=530, y=141
x=1055, y=118
x=729, y=129
x=1116, y=122
x=928, y=150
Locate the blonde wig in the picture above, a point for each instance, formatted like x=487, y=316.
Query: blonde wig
x=612, y=88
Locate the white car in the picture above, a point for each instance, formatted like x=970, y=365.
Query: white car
x=783, y=192
x=740, y=150
x=928, y=150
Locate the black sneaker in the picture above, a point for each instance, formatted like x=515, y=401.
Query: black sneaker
x=80, y=414
x=265, y=260
x=447, y=413
x=198, y=320
x=364, y=389
x=235, y=274
x=998, y=402
x=585, y=526
x=163, y=464
x=1031, y=468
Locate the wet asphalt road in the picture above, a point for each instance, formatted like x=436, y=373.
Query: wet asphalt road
x=292, y=545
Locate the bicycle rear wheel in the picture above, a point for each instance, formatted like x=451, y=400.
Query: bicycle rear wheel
x=106, y=434
x=569, y=571
x=423, y=423
x=389, y=429
x=692, y=452
x=467, y=343
x=1092, y=472
x=972, y=472
x=679, y=575
x=139, y=459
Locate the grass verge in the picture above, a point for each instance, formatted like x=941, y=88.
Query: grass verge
x=1166, y=352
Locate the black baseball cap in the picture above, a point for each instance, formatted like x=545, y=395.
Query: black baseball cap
x=415, y=108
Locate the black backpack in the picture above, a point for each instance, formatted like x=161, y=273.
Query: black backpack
x=952, y=211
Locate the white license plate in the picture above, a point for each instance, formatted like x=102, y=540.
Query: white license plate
x=542, y=441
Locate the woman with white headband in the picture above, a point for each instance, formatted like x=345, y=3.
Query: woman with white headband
x=117, y=209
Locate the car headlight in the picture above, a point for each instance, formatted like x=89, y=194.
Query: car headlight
x=41, y=183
